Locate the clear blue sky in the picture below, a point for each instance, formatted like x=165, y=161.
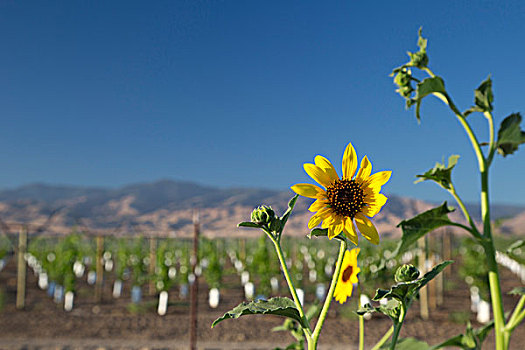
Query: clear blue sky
x=242, y=93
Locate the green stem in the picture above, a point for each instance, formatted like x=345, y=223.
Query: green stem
x=361, y=333
x=517, y=310
x=492, y=143
x=384, y=339
x=514, y=320
x=488, y=244
x=330, y=294
x=474, y=231
x=307, y=331
x=397, y=327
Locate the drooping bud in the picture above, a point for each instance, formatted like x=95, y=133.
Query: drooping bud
x=263, y=215
x=406, y=273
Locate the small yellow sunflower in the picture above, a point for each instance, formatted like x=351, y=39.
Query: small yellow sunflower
x=347, y=276
x=354, y=197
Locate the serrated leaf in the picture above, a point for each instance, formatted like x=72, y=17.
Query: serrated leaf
x=248, y=224
x=415, y=228
x=518, y=291
x=408, y=344
x=510, y=135
x=428, y=86
x=403, y=291
x=275, y=306
x=440, y=173
x=483, y=96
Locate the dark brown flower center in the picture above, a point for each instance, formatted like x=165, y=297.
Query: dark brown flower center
x=346, y=197
x=347, y=273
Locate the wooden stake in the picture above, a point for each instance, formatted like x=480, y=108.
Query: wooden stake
x=21, y=269
x=99, y=269
x=423, y=292
x=195, y=285
x=152, y=263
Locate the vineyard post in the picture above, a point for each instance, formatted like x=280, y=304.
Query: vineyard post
x=432, y=285
x=21, y=269
x=423, y=292
x=447, y=252
x=99, y=269
x=195, y=284
x=152, y=263
x=439, y=278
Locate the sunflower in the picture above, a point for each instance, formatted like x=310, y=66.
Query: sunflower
x=354, y=197
x=347, y=276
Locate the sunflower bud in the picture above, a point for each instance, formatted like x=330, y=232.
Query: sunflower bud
x=406, y=273
x=263, y=215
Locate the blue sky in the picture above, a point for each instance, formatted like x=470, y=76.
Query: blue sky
x=242, y=93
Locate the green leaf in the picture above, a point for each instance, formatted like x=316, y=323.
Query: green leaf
x=249, y=224
x=426, y=87
x=510, y=136
x=275, y=306
x=419, y=59
x=404, y=291
x=472, y=339
x=483, y=96
x=518, y=291
x=408, y=344
x=440, y=173
x=518, y=244
x=291, y=205
x=415, y=228
x=391, y=309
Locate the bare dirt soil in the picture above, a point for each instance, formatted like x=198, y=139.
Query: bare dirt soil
x=112, y=324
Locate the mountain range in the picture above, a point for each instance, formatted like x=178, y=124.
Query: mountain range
x=167, y=207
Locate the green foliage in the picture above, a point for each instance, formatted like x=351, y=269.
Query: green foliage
x=510, y=135
x=472, y=339
x=518, y=291
x=440, y=173
x=429, y=86
x=415, y=228
x=274, y=306
x=483, y=98
x=474, y=268
x=404, y=291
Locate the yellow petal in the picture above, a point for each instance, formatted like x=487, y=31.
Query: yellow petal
x=317, y=205
x=366, y=228
x=317, y=174
x=328, y=221
x=317, y=218
x=353, y=277
x=378, y=199
x=371, y=210
x=325, y=165
x=350, y=231
x=364, y=171
x=308, y=190
x=335, y=228
x=378, y=179
x=349, y=162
